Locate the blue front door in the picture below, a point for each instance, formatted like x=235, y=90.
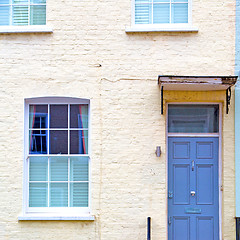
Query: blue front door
x=193, y=195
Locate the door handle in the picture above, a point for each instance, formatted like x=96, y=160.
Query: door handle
x=193, y=193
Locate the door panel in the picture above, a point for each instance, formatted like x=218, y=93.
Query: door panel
x=181, y=180
x=193, y=197
x=204, y=150
x=204, y=188
x=205, y=228
x=181, y=150
x=181, y=227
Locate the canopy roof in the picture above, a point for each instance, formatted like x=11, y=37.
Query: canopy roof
x=196, y=83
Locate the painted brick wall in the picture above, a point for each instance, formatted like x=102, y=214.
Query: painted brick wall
x=128, y=181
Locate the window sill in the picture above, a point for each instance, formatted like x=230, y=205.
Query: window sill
x=26, y=29
x=162, y=28
x=38, y=217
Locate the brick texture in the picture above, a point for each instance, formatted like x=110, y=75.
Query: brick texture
x=89, y=55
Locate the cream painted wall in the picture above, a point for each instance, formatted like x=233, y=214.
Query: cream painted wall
x=128, y=180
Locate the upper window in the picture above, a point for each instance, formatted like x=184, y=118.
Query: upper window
x=22, y=12
x=193, y=118
x=57, y=160
x=161, y=11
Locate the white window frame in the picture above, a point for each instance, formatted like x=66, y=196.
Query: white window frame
x=27, y=3
x=183, y=27
x=24, y=28
x=52, y=213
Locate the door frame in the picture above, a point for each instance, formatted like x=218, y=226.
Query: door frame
x=219, y=135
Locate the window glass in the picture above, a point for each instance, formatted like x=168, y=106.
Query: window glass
x=58, y=169
x=193, y=118
x=20, y=15
x=78, y=116
x=79, y=142
x=58, y=142
x=38, y=15
x=161, y=1
x=180, y=1
x=180, y=13
x=38, y=194
x=79, y=194
x=143, y=14
x=38, y=169
x=161, y=13
x=38, y=116
x=38, y=141
x=4, y=1
x=79, y=168
x=38, y=1
x=58, y=195
x=38, y=177
x=143, y=1
x=19, y=1
x=58, y=116
x=4, y=13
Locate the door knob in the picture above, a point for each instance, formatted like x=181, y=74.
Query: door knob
x=193, y=193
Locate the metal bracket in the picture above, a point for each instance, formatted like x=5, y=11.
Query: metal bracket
x=228, y=99
x=162, y=100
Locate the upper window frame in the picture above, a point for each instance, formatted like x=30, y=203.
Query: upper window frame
x=52, y=213
x=164, y=27
x=27, y=4
x=11, y=29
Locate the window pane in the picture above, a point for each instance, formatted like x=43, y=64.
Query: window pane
x=20, y=15
x=182, y=1
x=38, y=169
x=79, y=116
x=78, y=194
x=38, y=194
x=161, y=1
x=19, y=1
x=4, y=2
x=193, y=118
x=143, y=1
x=58, y=194
x=38, y=142
x=79, y=142
x=58, y=169
x=79, y=169
x=38, y=116
x=180, y=13
x=4, y=15
x=58, y=116
x=143, y=14
x=161, y=13
x=58, y=142
x=37, y=15
x=38, y=1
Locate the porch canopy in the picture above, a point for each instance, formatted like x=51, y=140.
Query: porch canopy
x=197, y=83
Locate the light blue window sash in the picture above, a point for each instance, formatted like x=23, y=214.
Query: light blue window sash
x=22, y=12
x=161, y=11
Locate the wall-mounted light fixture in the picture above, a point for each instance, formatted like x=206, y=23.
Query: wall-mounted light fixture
x=158, y=151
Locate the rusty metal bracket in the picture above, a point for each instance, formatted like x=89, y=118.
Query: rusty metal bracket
x=228, y=99
x=162, y=100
